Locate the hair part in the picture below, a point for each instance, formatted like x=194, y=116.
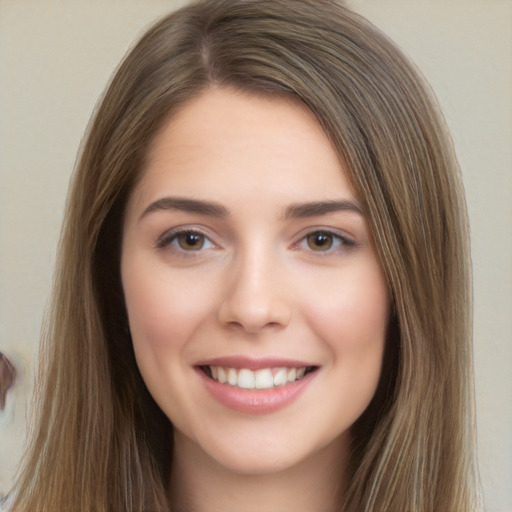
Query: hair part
x=100, y=442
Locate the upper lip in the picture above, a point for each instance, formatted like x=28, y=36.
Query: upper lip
x=253, y=363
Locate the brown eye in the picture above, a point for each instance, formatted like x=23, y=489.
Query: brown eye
x=185, y=241
x=320, y=241
x=190, y=241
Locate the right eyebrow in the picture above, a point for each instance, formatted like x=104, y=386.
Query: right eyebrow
x=187, y=205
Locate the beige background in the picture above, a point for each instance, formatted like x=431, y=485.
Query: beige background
x=55, y=58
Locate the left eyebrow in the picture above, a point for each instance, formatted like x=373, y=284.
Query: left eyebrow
x=313, y=209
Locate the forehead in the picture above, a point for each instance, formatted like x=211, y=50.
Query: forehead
x=226, y=140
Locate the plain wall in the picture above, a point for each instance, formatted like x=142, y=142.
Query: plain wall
x=55, y=59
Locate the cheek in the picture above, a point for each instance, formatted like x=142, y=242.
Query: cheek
x=165, y=308
x=161, y=310
x=350, y=315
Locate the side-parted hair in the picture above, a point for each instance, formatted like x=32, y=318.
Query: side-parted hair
x=100, y=443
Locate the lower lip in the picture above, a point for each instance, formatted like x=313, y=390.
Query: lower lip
x=256, y=401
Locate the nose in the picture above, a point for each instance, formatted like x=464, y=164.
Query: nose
x=256, y=296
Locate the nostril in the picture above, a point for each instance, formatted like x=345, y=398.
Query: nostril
x=7, y=378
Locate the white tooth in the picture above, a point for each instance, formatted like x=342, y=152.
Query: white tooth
x=221, y=374
x=291, y=375
x=232, y=376
x=280, y=377
x=264, y=379
x=301, y=372
x=246, y=379
x=215, y=372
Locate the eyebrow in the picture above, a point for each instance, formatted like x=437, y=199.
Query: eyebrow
x=316, y=208
x=187, y=205
x=212, y=209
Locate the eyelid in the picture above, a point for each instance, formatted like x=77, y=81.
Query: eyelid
x=347, y=242
x=170, y=235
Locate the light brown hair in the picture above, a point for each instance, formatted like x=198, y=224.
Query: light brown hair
x=100, y=442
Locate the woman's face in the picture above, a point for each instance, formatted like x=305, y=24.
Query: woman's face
x=246, y=258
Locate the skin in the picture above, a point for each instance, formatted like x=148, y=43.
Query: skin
x=255, y=283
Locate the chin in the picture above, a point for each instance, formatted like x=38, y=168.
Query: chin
x=264, y=454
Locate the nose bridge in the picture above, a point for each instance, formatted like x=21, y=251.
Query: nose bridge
x=256, y=295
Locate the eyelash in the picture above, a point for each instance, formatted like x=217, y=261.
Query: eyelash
x=338, y=242
x=170, y=237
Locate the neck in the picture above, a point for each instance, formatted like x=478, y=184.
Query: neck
x=200, y=484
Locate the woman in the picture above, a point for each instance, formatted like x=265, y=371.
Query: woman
x=232, y=128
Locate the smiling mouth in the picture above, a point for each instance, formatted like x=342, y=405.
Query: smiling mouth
x=264, y=378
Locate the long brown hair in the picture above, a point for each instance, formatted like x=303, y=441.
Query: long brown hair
x=100, y=442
